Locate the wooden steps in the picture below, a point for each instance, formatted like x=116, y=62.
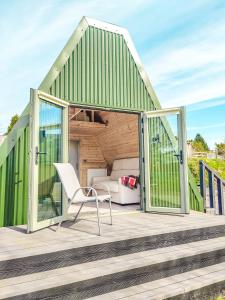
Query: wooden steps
x=138, y=268
x=170, y=264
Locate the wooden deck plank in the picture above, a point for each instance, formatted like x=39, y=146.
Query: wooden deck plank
x=14, y=243
x=120, y=263
x=74, y=256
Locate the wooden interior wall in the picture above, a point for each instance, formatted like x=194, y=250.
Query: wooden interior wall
x=91, y=156
x=100, y=147
x=120, y=138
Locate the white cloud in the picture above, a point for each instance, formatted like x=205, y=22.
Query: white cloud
x=192, y=71
x=51, y=23
x=195, y=92
x=188, y=59
x=206, y=104
x=218, y=125
x=33, y=33
x=185, y=70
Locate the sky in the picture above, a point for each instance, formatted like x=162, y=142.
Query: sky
x=181, y=44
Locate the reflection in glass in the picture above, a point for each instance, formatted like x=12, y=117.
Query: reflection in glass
x=164, y=162
x=50, y=148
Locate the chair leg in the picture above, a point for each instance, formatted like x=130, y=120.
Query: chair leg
x=59, y=224
x=98, y=216
x=110, y=210
x=78, y=212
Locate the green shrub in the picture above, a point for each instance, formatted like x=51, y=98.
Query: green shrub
x=218, y=165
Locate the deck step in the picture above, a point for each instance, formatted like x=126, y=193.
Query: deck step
x=206, y=283
x=110, y=276
x=69, y=257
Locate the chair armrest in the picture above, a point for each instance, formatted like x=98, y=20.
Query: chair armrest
x=102, y=184
x=100, y=178
x=90, y=189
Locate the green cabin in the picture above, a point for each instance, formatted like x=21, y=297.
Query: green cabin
x=96, y=105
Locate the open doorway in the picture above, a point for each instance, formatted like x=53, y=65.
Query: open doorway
x=74, y=147
x=108, y=153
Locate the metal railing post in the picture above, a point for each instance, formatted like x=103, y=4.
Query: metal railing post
x=220, y=195
x=211, y=188
x=202, y=179
x=220, y=184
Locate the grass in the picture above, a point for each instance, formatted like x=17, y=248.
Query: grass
x=220, y=298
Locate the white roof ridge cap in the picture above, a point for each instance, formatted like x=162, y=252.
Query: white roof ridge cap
x=105, y=25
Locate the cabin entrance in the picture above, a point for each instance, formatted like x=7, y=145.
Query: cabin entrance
x=141, y=157
x=109, y=153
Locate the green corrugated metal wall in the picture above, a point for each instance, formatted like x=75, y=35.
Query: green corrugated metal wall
x=14, y=183
x=100, y=71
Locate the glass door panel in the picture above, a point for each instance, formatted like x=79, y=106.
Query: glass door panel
x=50, y=151
x=49, y=144
x=164, y=166
x=165, y=161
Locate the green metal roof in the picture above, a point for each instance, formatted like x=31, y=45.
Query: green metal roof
x=99, y=66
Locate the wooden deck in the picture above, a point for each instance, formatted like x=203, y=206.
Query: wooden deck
x=16, y=244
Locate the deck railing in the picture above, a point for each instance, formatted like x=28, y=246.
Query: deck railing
x=212, y=188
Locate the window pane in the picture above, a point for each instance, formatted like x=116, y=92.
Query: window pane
x=50, y=148
x=164, y=164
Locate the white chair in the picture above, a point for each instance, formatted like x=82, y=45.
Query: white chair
x=74, y=191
